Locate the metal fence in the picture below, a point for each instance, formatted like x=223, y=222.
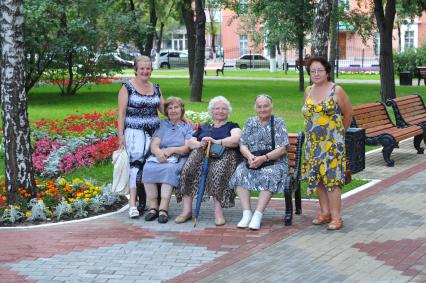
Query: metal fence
x=350, y=59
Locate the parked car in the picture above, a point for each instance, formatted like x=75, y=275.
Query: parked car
x=173, y=59
x=252, y=61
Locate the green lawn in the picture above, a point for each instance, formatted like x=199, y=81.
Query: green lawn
x=257, y=73
x=44, y=102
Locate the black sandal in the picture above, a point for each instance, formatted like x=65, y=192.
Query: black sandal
x=152, y=214
x=163, y=218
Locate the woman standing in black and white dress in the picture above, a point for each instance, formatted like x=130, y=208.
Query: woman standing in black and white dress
x=138, y=103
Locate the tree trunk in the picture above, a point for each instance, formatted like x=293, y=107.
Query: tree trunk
x=301, y=36
x=321, y=29
x=272, y=61
x=153, y=23
x=200, y=48
x=279, y=56
x=385, y=22
x=158, y=48
x=399, y=36
x=333, y=36
x=188, y=18
x=19, y=171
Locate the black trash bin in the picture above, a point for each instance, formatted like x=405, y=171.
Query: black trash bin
x=355, y=149
x=405, y=78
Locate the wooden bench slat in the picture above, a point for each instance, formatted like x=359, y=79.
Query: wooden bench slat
x=374, y=119
x=370, y=107
x=414, y=113
x=406, y=98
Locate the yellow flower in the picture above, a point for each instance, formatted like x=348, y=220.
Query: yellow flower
x=328, y=145
x=333, y=163
x=323, y=120
x=318, y=108
x=322, y=169
x=28, y=214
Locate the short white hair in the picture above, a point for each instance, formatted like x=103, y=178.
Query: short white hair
x=265, y=96
x=217, y=99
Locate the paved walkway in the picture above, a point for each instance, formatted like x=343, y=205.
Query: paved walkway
x=384, y=239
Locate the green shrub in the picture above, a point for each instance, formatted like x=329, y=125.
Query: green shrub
x=410, y=59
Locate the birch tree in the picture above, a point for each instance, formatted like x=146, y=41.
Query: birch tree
x=321, y=28
x=19, y=172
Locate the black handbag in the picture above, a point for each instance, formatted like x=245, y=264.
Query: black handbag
x=266, y=151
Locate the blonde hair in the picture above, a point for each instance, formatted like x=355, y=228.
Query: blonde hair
x=142, y=58
x=171, y=100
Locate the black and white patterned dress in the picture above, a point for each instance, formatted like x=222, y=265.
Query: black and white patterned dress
x=274, y=178
x=140, y=123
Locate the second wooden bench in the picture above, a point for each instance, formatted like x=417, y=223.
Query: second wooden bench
x=379, y=129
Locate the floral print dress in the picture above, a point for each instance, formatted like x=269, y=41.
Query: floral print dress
x=325, y=144
x=274, y=178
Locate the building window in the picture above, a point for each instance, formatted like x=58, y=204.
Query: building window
x=409, y=39
x=243, y=44
x=377, y=44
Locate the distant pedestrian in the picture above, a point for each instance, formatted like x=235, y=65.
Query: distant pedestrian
x=328, y=114
x=138, y=102
x=266, y=170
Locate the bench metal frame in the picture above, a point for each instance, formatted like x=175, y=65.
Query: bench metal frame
x=294, y=186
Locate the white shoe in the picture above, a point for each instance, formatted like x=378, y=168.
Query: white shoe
x=256, y=220
x=244, y=222
x=133, y=212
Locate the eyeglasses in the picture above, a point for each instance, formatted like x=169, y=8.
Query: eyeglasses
x=317, y=71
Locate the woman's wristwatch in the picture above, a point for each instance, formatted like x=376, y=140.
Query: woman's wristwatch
x=267, y=158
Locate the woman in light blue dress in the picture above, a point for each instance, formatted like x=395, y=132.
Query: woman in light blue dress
x=169, y=152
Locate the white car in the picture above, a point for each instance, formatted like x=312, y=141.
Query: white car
x=173, y=59
x=252, y=61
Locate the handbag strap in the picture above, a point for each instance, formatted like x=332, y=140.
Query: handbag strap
x=272, y=132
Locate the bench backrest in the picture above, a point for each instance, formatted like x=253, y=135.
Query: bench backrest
x=422, y=71
x=215, y=64
x=410, y=105
x=295, y=153
x=372, y=116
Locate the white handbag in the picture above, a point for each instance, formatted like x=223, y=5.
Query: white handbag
x=121, y=172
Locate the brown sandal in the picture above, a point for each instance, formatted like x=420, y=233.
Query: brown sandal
x=335, y=224
x=322, y=219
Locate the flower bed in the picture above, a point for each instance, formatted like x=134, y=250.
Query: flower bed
x=58, y=200
x=77, y=141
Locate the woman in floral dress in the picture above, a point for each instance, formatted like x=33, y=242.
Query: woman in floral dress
x=253, y=174
x=328, y=114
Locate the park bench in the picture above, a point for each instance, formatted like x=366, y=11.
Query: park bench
x=214, y=66
x=379, y=129
x=295, y=162
x=421, y=74
x=409, y=110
